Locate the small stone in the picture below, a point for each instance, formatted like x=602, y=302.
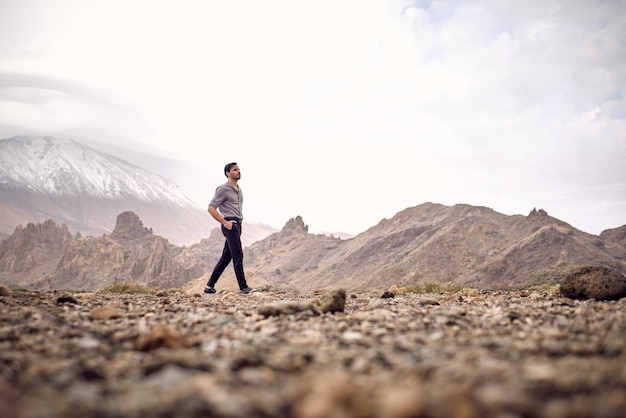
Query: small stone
x=388, y=295
x=352, y=336
x=87, y=342
x=67, y=299
x=375, y=304
x=334, y=301
x=428, y=301
x=401, y=401
x=331, y=394
x=163, y=337
x=286, y=308
x=105, y=312
x=4, y=291
x=513, y=315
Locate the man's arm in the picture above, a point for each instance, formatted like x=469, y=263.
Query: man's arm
x=219, y=218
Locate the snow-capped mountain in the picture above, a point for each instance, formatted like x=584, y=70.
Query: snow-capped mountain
x=71, y=183
x=64, y=167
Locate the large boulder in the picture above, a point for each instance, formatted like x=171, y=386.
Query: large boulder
x=594, y=282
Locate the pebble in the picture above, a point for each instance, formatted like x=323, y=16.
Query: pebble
x=4, y=291
x=105, y=312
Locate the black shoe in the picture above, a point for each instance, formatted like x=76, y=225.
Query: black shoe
x=245, y=290
x=209, y=289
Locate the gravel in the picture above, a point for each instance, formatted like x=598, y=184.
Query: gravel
x=467, y=354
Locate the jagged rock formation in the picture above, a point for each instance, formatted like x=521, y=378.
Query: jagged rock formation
x=129, y=228
x=46, y=256
x=30, y=253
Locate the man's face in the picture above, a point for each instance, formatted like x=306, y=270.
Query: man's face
x=234, y=173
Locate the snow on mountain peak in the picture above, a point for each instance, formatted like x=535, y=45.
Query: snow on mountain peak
x=66, y=167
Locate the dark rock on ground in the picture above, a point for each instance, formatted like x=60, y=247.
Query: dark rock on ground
x=66, y=299
x=595, y=282
x=333, y=301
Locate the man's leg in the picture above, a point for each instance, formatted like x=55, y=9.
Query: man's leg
x=233, y=238
x=221, y=264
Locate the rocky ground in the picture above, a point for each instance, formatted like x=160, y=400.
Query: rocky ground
x=467, y=354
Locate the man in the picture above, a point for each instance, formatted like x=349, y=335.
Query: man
x=225, y=207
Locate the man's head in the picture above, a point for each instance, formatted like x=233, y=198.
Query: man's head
x=228, y=167
x=231, y=170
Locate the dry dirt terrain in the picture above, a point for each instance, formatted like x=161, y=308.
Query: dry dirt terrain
x=465, y=354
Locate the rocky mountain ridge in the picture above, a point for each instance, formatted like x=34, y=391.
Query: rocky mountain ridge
x=469, y=245
x=472, y=246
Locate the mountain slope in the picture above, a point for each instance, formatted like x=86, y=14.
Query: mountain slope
x=85, y=189
x=61, y=167
x=614, y=241
x=474, y=246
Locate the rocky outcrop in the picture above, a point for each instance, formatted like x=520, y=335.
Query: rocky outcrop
x=31, y=252
x=46, y=256
x=129, y=227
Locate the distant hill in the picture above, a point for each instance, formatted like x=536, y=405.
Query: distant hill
x=66, y=181
x=473, y=246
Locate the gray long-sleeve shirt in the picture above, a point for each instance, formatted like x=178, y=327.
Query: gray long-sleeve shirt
x=228, y=201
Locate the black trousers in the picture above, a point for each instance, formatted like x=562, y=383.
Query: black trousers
x=232, y=251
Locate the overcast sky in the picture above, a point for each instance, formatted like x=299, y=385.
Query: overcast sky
x=344, y=112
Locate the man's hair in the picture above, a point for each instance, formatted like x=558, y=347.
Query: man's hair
x=228, y=167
